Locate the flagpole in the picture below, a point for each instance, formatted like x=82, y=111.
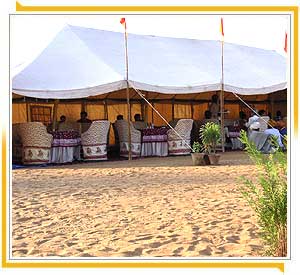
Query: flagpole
x=222, y=93
x=127, y=92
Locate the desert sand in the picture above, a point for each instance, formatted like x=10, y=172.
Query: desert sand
x=150, y=207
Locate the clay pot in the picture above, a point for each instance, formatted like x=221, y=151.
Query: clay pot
x=200, y=159
x=214, y=159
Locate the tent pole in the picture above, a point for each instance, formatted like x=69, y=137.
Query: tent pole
x=173, y=109
x=105, y=109
x=128, y=98
x=55, y=114
x=222, y=101
x=146, y=110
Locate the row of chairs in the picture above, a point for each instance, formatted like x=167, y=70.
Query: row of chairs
x=31, y=143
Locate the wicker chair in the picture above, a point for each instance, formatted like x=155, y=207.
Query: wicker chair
x=176, y=145
x=16, y=144
x=122, y=129
x=94, y=141
x=36, y=143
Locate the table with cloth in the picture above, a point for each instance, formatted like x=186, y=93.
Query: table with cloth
x=65, y=146
x=233, y=134
x=154, y=142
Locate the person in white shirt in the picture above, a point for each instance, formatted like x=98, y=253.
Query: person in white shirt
x=252, y=119
x=274, y=132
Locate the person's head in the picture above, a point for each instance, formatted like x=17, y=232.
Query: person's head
x=119, y=117
x=281, y=124
x=62, y=118
x=242, y=115
x=278, y=113
x=83, y=115
x=207, y=114
x=137, y=117
x=261, y=112
x=214, y=98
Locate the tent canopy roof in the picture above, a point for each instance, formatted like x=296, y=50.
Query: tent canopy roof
x=82, y=62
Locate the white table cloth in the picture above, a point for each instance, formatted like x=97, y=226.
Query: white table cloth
x=65, y=147
x=154, y=142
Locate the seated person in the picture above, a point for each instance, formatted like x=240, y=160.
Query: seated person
x=120, y=117
x=252, y=119
x=85, y=123
x=262, y=112
x=242, y=121
x=139, y=124
x=278, y=116
x=274, y=132
x=83, y=118
x=207, y=114
x=208, y=118
x=62, y=119
x=281, y=125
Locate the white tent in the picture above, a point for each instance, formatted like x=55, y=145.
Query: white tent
x=82, y=62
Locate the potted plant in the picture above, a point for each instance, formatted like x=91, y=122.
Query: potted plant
x=198, y=157
x=210, y=134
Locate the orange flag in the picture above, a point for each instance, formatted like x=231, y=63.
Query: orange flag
x=285, y=43
x=222, y=28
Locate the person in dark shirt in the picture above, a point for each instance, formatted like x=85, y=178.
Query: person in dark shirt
x=83, y=118
x=62, y=119
x=278, y=116
x=120, y=117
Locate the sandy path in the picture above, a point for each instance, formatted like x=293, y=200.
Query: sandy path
x=149, y=207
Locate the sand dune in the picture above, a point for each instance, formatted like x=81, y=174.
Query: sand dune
x=154, y=207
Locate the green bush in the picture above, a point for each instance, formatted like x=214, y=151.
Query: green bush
x=210, y=135
x=196, y=147
x=268, y=196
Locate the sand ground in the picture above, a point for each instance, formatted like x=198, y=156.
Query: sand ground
x=151, y=207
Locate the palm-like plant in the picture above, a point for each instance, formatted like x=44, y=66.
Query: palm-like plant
x=210, y=134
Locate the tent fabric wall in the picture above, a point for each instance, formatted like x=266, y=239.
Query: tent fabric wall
x=165, y=109
x=199, y=110
x=233, y=109
x=95, y=111
x=19, y=113
x=182, y=111
x=70, y=110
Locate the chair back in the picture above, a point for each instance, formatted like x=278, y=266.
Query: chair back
x=184, y=128
x=97, y=133
x=123, y=133
x=35, y=134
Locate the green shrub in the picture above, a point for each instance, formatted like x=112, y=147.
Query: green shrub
x=196, y=147
x=268, y=196
x=210, y=135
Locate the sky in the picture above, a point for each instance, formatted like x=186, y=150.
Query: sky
x=30, y=34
